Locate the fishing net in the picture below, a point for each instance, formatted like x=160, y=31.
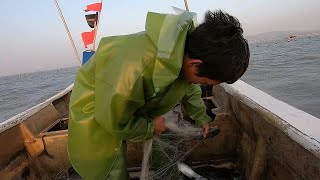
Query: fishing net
x=69, y=174
x=161, y=154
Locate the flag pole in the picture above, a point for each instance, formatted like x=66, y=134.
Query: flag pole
x=95, y=33
x=96, y=25
x=186, y=5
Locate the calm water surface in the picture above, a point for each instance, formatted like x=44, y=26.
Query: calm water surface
x=289, y=71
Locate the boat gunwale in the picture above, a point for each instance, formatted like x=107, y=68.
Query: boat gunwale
x=249, y=95
x=267, y=105
x=13, y=121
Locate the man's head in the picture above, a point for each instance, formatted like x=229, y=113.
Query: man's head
x=216, y=51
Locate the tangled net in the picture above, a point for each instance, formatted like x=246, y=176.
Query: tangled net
x=161, y=154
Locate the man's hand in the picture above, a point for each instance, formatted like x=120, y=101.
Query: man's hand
x=158, y=125
x=206, y=128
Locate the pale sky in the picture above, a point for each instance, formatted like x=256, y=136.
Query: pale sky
x=33, y=37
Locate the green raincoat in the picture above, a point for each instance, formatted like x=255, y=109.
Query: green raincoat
x=130, y=80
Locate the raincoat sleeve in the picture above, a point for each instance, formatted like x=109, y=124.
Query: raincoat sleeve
x=120, y=91
x=116, y=113
x=194, y=105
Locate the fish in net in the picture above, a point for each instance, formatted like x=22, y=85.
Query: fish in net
x=164, y=155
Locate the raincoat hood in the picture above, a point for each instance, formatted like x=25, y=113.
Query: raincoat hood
x=168, y=34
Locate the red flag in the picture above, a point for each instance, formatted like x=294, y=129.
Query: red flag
x=87, y=37
x=94, y=7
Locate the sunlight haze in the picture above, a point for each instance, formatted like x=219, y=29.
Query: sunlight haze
x=33, y=37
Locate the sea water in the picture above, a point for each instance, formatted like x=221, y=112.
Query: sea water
x=289, y=71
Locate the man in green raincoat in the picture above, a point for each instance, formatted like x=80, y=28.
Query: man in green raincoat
x=121, y=93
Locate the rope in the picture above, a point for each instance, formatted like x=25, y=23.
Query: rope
x=186, y=5
x=67, y=29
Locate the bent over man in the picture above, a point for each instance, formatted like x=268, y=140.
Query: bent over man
x=121, y=93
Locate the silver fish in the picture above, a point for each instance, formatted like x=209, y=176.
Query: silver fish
x=186, y=170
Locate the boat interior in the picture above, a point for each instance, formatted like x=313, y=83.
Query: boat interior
x=252, y=140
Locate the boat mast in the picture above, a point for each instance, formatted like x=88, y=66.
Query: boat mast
x=96, y=25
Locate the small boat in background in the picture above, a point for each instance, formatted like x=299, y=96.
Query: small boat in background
x=290, y=37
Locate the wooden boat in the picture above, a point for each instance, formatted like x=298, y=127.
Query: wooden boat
x=261, y=137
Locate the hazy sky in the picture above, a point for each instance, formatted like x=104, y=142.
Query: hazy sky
x=33, y=37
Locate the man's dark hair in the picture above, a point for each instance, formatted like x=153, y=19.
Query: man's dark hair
x=219, y=43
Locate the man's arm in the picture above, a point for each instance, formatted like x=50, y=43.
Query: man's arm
x=119, y=88
x=196, y=108
x=115, y=111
